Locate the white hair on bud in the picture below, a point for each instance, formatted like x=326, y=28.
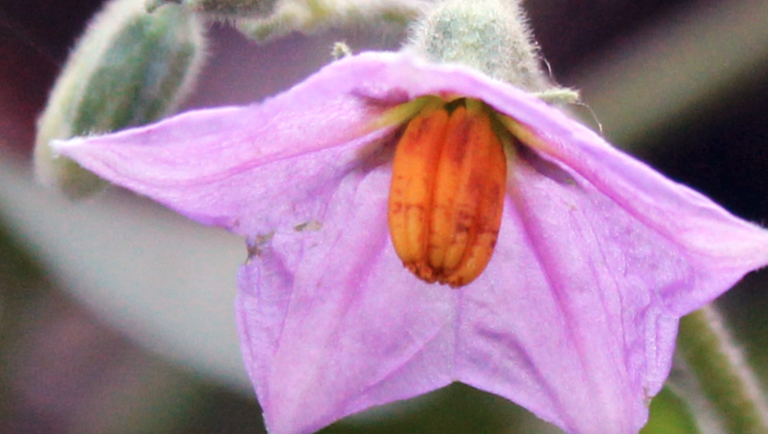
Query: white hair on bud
x=489, y=35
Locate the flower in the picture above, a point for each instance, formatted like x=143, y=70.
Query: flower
x=574, y=318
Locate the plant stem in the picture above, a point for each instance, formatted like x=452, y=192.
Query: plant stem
x=729, y=386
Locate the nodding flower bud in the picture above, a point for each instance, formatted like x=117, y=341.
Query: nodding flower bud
x=491, y=36
x=129, y=68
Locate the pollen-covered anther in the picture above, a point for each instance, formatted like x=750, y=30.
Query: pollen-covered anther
x=447, y=193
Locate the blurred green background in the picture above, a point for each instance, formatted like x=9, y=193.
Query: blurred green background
x=95, y=339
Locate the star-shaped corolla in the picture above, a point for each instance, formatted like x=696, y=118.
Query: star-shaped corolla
x=574, y=318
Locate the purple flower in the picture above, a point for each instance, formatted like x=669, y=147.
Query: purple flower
x=574, y=318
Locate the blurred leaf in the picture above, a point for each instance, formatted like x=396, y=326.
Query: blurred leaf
x=669, y=415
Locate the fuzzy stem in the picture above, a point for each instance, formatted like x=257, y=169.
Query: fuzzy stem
x=728, y=384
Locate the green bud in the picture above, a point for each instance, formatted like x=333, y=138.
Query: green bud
x=491, y=36
x=263, y=20
x=221, y=8
x=129, y=68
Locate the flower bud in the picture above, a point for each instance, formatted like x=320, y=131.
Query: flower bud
x=130, y=68
x=221, y=8
x=491, y=36
x=262, y=20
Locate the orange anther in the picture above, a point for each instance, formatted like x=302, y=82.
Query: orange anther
x=447, y=194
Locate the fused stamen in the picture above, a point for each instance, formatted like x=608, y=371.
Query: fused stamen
x=447, y=193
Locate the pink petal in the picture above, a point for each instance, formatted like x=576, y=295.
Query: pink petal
x=237, y=167
x=567, y=320
x=575, y=317
x=724, y=246
x=570, y=324
x=331, y=322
